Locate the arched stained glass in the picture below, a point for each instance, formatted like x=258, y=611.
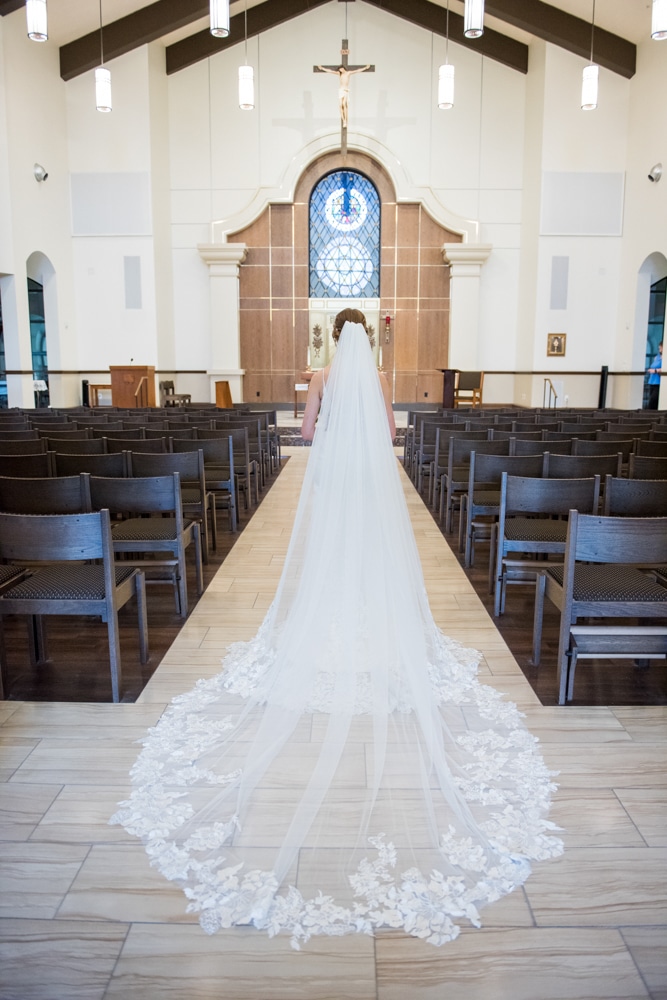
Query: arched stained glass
x=344, y=226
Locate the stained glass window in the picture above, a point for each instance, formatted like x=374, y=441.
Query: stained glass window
x=344, y=228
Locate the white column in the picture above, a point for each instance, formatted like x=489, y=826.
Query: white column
x=465, y=260
x=223, y=261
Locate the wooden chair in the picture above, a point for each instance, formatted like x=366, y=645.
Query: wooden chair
x=600, y=579
x=246, y=468
x=482, y=499
x=527, y=524
x=653, y=449
x=36, y=466
x=635, y=497
x=122, y=433
x=18, y=435
x=153, y=445
x=454, y=482
x=468, y=388
x=187, y=433
x=55, y=495
x=198, y=502
x=96, y=465
x=34, y=447
x=440, y=463
x=647, y=467
x=219, y=471
x=581, y=466
x=170, y=398
x=98, y=589
x=169, y=532
x=67, y=446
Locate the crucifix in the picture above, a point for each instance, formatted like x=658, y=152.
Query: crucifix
x=343, y=71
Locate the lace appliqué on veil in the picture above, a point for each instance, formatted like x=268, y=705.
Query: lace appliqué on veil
x=504, y=770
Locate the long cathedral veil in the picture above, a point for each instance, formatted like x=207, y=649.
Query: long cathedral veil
x=345, y=770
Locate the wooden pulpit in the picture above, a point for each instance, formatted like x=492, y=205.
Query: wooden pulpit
x=132, y=386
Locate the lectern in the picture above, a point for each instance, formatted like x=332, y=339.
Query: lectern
x=132, y=385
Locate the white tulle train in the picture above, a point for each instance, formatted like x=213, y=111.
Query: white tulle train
x=345, y=771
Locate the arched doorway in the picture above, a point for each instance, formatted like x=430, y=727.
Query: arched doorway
x=650, y=312
x=43, y=315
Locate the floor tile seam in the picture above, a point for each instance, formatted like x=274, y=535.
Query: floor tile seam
x=629, y=817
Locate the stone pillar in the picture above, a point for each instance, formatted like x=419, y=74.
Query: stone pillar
x=223, y=261
x=465, y=260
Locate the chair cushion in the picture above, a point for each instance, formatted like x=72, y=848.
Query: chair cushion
x=66, y=583
x=151, y=529
x=486, y=498
x=605, y=582
x=8, y=573
x=190, y=494
x=535, y=529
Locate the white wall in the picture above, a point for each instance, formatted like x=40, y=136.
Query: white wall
x=205, y=161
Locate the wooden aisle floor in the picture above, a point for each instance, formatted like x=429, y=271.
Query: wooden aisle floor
x=84, y=917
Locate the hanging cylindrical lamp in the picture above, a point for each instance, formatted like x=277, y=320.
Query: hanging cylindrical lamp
x=246, y=74
x=219, y=11
x=589, y=82
x=36, y=18
x=473, y=18
x=589, y=88
x=102, y=77
x=246, y=88
x=446, y=87
x=446, y=76
x=102, y=89
x=659, y=20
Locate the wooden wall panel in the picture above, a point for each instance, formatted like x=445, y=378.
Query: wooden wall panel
x=414, y=291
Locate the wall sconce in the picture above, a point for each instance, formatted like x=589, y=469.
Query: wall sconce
x=655, y=173
x=40, y=173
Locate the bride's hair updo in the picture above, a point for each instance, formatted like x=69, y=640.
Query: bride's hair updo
x=347, y=316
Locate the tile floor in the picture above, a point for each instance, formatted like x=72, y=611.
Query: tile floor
x=84, y=917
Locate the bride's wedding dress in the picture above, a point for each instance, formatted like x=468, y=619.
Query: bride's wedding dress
x=345, y=771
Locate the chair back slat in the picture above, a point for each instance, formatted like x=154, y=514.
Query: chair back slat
x=534, y=495
x=635, y=497
x=633, y=540
x=51, y=537
x=148, y=495
x=96, y=465
x=55, y=495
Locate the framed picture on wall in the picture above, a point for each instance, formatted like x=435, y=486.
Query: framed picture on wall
x=556, y=345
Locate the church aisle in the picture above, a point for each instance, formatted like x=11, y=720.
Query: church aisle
x=84, y=916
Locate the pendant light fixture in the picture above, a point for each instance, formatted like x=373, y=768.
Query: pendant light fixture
x=36, y=17
x=246, y=74
x=589, y=83
x=659, y=20
x=219, y=11
x=473, y=18
x=102, y=77
x=446, y=76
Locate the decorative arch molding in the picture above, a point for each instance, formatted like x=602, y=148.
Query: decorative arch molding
x=361, y=148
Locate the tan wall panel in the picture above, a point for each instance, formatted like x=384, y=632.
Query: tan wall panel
x=432, y=340
x=281, y=226
x=429, y=388
x=254, y=282
x=405, y=386
x=256, y=382
x=408, y=226
x=282, y=339
x=282, y=387
x=282, y=279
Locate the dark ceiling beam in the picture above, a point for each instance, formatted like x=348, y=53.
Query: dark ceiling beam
x=158, y=19
x=130, y=32
x=260, y=18
x=433, y=18
x=569, y=32
x=9, y=6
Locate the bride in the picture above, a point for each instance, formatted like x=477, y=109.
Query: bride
x=345, y=771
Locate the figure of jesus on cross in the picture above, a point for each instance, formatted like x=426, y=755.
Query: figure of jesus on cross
x=344, y=72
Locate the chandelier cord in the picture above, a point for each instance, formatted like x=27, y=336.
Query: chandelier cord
x=101, y=37
x=592, y=30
